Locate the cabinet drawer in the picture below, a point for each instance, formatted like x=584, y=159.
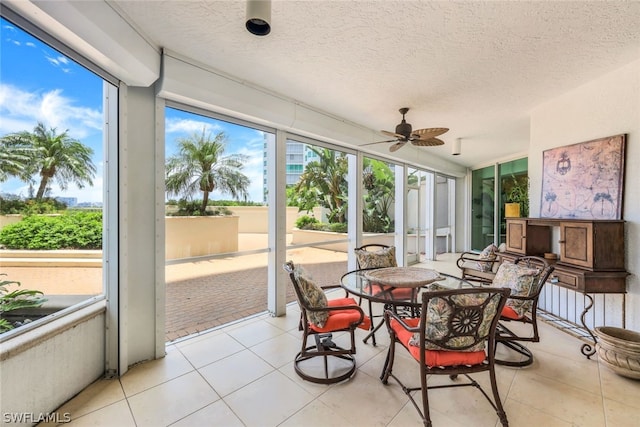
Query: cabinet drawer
x=567, y=279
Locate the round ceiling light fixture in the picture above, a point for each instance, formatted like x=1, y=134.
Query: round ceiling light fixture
x=258, y=17
x=456, y=149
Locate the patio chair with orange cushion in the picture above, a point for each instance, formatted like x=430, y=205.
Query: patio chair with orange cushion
x=454, y=335
x=377, y=255
x=525, y=277
x=320, y=318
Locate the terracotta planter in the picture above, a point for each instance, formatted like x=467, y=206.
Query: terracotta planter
x=619, y=349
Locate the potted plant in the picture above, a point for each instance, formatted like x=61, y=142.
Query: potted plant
x=517, y=197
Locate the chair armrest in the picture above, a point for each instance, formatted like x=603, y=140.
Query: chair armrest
x=388, y=314
x=522, y=297
x=330, y=287
x=339, y=308
x=467, y=256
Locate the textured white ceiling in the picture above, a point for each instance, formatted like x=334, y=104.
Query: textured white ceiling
x=475, y=67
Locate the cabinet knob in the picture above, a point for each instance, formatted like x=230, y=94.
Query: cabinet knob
x=562, y=241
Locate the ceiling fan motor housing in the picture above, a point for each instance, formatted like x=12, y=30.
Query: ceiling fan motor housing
x=404, y=129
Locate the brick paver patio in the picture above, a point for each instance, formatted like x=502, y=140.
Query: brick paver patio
x=199, y=295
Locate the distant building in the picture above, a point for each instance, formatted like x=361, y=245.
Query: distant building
x=298, y=155
x=89, y=205
x=69, y=201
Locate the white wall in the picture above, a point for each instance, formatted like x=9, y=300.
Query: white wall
x=45, y=367
x=607, y=106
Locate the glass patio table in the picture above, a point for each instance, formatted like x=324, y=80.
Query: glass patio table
x=398, y=288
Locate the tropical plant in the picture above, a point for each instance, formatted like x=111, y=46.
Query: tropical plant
x=201, y=166
x=51, y=155
x=324, y=183
x=379, y=183
x=14, y=300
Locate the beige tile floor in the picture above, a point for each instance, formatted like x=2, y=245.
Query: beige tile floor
x=242, y=375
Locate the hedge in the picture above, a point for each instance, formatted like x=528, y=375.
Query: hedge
x=73, y=230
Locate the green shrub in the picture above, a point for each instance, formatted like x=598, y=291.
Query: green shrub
x=30, y=206
x=188, y=208
x=192, y=208
x=221, y=211
x=74, y=230
x=310, y=223
x=232, y=203
x=338, y=227
x=174, y=202
x=305, y=222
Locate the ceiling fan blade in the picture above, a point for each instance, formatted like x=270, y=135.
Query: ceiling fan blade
x=392, y=134
x=428, y=133
x=397, y=146
x=379, y=142
x=427, y=142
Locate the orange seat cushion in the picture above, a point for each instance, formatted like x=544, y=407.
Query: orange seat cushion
x=342, y=319
x=436, y=357
x=510, y=313
x=389, y=292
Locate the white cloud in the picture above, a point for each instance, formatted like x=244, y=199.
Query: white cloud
x=21, y=110
x=174, y=125
x=59, y=62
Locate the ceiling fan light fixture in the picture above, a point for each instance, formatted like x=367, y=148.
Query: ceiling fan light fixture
x=258, y=17
x=404, y=129
x=456, y=149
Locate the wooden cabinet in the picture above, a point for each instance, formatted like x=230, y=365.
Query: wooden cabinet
x=595, y=245
x=591, y=251
x=525, y=238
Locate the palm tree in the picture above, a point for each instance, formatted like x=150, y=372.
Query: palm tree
x=52, y=156
x=200, y=165
x=14, y=160
x=325, y=180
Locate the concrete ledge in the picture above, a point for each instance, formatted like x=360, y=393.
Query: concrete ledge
x=62, y=258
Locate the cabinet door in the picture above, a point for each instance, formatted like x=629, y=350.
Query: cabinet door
x=517, y=236
x=576, y=243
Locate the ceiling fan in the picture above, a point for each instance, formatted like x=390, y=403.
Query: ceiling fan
x=404, y=134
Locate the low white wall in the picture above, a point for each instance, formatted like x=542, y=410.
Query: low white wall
x=192, y=236
x=255, y=219
x=45, y=367
x=308, y=237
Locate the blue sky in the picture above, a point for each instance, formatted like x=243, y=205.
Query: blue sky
x=38, y=84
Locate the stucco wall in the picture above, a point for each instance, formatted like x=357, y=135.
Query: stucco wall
x=191, y=236
x=45, y=367
x=606, y=106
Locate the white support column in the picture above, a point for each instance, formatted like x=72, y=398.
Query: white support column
x=431, y=214
x=277, y=199
x=160, y=253
x=110, y=230
x=140, y=274
x=354, y=215
x=451, y=245
x=401, y=214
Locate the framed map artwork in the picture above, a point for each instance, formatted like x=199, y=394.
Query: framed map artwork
x=585, y=180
